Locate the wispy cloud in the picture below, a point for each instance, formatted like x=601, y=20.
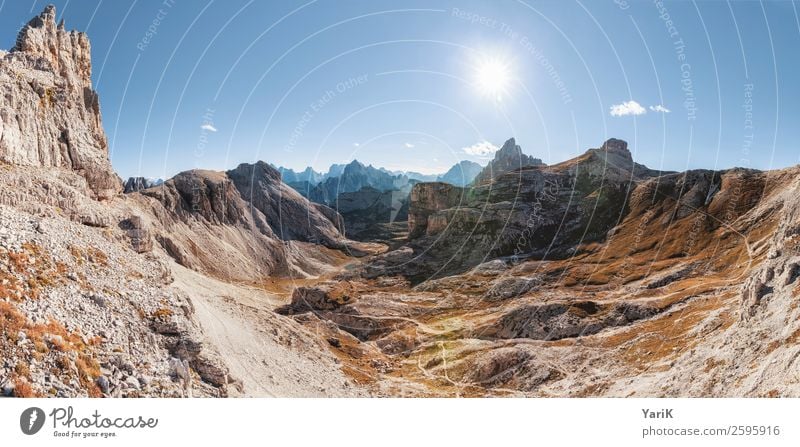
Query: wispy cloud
x=660, y=108
x=627, y=108
x=409, y=145
x=481, y=149
x=356, y=144
x=208, y=127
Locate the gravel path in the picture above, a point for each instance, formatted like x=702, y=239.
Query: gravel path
x=272, y=355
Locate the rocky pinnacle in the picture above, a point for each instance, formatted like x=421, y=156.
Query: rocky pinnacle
x=50, y=115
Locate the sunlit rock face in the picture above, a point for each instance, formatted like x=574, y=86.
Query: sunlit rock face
x=50, y=115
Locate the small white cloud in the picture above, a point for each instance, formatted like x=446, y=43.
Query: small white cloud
x=660, y=108
x=627, y=108
x=481, y=149
x=356, y=144
x=208, y=127
x=409, y=145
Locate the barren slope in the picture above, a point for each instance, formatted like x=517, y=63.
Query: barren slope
x=693, y=293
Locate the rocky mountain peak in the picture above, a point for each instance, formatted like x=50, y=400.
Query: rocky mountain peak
x=68, y=53
x=615, y=153
x=615, y=145
x=354, y=166
x=461, y=174
x=50, y=115
x=617, y=148
x=508, y=158
x=509, y=148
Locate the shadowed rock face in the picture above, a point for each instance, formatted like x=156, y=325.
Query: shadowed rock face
x=365, y=211
x=427, y=199
x=508, y=158
x=240, y=224
x=289, y=215
x=50, y=115
x=536, y=211
x=461, y=174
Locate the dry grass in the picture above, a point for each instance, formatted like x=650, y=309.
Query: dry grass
x=23, y=389
x=29, y=272
x=97, y=257
x=77, y=254
x=162, y=314
x=51, y=343
x=88, y=372
x=90, y=255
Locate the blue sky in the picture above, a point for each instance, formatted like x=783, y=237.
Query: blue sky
x=393, y=83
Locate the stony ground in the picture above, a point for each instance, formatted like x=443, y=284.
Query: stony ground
x=664, y=307
x=689, y=295
x=82, y=314
x=273, y=356
x=86, y=315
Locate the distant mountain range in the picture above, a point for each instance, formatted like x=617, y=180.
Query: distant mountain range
x=136, y=184
x=324, y=187
x=368, y=198
x=308, y=175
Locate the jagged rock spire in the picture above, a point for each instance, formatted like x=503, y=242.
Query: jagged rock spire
x=508, y=158
x=68, y=52
x=51, y=115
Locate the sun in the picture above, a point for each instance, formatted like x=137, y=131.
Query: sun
x=493, y=77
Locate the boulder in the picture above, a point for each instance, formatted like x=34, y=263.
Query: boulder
x=324, y=296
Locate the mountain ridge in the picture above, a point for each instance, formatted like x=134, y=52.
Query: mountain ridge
x=596, y=276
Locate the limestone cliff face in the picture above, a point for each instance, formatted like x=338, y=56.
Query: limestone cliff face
x=367, y=209
x=426, y=200
x=49, y=113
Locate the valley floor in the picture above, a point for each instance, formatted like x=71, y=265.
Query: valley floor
x=271, y=356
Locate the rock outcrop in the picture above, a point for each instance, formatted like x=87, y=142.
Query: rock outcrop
x=508, y=158
x=289, y=215
x=50, y=115
x=427, y=199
